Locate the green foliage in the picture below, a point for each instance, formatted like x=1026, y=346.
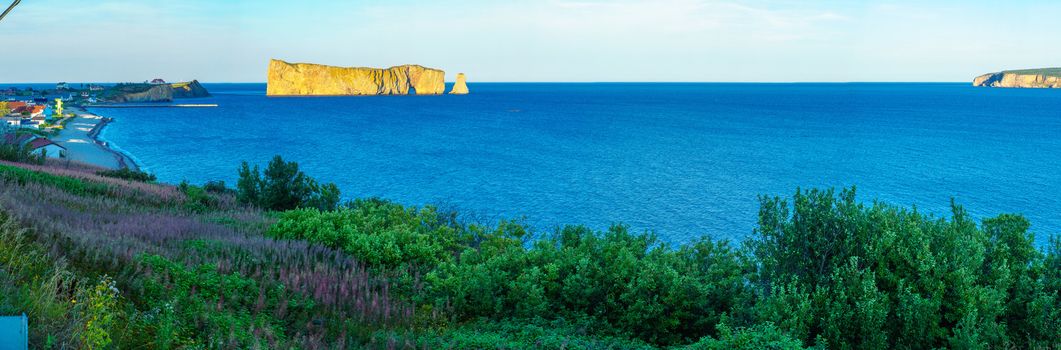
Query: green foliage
x=199, y=200
x=99, y=305
x=283, y=187
x=1053, y=72
x=763, y=336
x=620, y=283
x=829, y=271
x=505, y=334
x=248, y=188
x=217, y=187
x=200, y=306
x=377, y=232
x=128, y=174
x=63, y=308
x=822, y=270
x=68, y=184
x=880, y=277
x=24, y=154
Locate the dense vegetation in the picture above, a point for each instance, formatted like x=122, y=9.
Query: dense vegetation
x=102, y=262
x=128, y=174
x=16, y=153
x=1054, y=72
x=284, y=187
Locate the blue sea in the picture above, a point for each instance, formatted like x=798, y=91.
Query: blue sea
x=681, y=160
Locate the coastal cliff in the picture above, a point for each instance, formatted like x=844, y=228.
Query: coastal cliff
x=136, y=93
x=191, y=89
x=1028, y=78
x=305, y=79
x=141, y=93
x=461, y=86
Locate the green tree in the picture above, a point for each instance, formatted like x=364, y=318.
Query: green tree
x=282, y=186
x=248, y=187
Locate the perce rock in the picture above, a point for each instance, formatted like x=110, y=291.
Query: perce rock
x=461, y=86
x=305, y=79
x=1028, y=78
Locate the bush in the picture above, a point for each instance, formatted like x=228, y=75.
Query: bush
x=621, y=283
x=128, y=174
x=763, y=336
x=377, y=232
x=198, y=306
x=877, y=277
x=283, y=187
x=14, y=153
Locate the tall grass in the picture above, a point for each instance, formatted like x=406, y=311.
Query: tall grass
x=107, y=226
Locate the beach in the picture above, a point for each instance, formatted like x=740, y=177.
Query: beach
x=80, y=137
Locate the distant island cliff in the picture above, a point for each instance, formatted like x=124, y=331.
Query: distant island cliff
x=306, y=79
x=154, y=92
x=1026, y=78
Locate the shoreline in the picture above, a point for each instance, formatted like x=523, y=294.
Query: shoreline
x=124, y=160
x=82, y=140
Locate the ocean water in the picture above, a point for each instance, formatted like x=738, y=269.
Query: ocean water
x=681, y=160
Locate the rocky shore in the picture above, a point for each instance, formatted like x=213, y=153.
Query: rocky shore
x=82, y=143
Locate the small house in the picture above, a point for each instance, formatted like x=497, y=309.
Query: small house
x=36, y=111
x=43, y=146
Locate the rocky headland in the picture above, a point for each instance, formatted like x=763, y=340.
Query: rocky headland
x=306, y=79
x=191, y=89
x=1027, y=78
x=138, y=93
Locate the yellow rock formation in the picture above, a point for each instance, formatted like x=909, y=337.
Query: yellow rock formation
x=1018, y=80
x=461, y=86
x=304, y=79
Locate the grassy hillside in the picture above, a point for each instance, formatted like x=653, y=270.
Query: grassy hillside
x=1055, y=72
x=106, y=262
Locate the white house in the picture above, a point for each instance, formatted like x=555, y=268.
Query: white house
x=47, y=147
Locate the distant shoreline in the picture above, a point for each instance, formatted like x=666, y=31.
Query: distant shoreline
x=124, y=160
x=90, y=155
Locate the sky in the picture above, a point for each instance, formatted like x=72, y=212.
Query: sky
x=531, y=41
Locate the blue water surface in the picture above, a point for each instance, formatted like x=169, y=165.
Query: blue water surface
x=682, y=160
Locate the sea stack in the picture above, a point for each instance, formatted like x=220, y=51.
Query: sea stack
x=460, y=87
x=1027, y=78
x=305, y=79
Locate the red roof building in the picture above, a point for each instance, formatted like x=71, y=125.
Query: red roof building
x=45, y=146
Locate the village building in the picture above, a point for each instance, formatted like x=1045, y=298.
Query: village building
x=45, y=147
x=37, y=145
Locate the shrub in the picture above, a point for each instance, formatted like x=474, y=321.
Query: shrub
x=377, y=232
x=763, y=336
x=283, y=187
x=878, y=276
x=14, y=153
x=128, y=174
x=200, y=306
